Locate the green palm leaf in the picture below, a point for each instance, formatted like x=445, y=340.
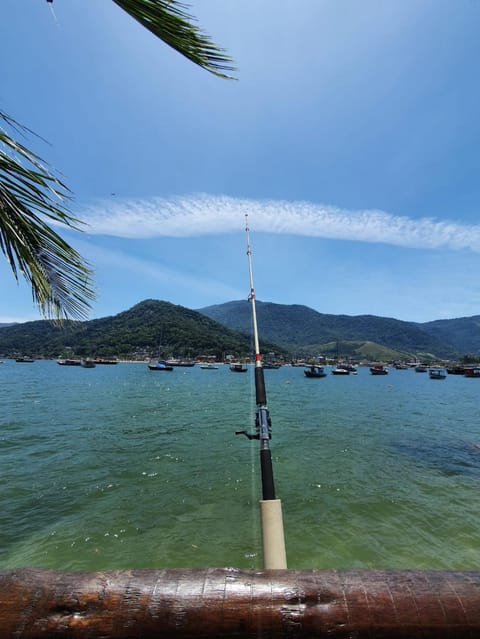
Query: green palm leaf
x=60, y=278
x=30, y=194
x=168, y=20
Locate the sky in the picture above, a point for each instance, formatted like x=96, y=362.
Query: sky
x=350, y=137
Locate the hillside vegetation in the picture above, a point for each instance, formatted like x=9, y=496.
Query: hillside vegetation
x=146, y=330
x=300, y=329
x=155, y=327
x=462, y=333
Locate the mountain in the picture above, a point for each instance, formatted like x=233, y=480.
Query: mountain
x=303, y=330
x=288, y=330
x=138, y=332
x=462, y=333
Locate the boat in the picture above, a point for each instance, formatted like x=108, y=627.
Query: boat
x=180, y=362
x=437, y=372
x=420, y=368
x=160, y=365
x=237, y=367
x=472, y=371
x=24, y=360
x=209, y=367
x=401, y=367
x=456, y=370
x=88, y=363
x=271, y=365
x=69, y=362
x=315, y=371
x=378, y=369
x=351, y=368
x=338, y=370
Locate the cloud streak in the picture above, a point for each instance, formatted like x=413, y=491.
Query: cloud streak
x=197, y=215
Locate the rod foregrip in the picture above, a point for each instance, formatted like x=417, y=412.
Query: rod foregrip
x=260, y=392
x=268, y=486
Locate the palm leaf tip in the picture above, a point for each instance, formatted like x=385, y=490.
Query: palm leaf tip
x=169, y=21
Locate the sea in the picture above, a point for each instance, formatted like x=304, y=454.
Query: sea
x=121, y=467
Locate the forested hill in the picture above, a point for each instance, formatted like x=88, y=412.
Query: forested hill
x=295, y=326
x=141, y=331
x=289, y=330
x=462, y=333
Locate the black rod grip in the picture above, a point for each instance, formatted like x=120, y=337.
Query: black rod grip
x=268, y=487
x=260, y=392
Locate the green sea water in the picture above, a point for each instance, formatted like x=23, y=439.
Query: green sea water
x=122, y=467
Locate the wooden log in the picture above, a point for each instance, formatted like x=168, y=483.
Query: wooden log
x=230, y=603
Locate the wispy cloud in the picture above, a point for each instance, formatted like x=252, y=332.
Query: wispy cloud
x=198, y=215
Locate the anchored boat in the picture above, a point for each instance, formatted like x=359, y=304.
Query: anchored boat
x=338, y=370
x=160, y=365
x=69, y=362
x=238, y=368
x=180, y=362
x=378, y=369
x=315, y=371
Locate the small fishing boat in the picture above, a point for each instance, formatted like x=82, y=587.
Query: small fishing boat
x=456, y=369
x=209, y=367
x=338, y=370
x=420, y=368
x=180, y=362
x=472, y=371
x=160, y=365
x=24, y=360
x=437, y=372
x=315, y=371
x=271, y=365
x=88, y=363
x=69, y=362
x=237, y=367
x=351, y=368
x=378, y=369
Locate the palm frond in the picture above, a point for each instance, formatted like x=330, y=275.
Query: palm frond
x=169, y=21
x=61, y=280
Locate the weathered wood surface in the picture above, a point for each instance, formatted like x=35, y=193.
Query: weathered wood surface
x=233, y=603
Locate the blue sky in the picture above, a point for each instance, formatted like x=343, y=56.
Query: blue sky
x=350, y=137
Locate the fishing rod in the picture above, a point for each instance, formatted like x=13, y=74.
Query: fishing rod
x=274, y=554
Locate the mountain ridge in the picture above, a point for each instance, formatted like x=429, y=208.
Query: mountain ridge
x=154, y=327
x=151, y=328
x=295, y=325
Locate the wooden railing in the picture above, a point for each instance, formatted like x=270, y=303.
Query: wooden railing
x=225, y=602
